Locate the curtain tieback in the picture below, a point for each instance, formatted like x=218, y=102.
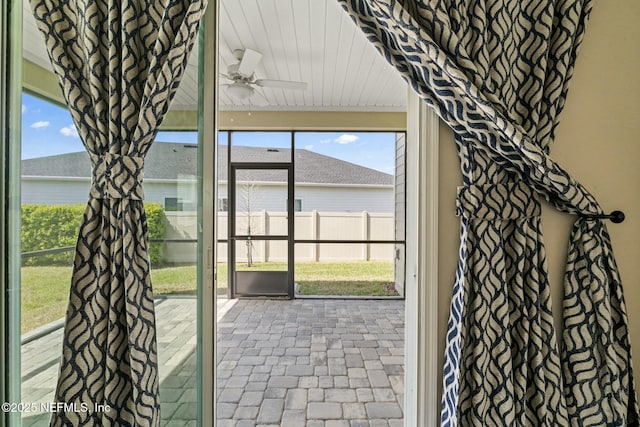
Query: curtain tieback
x=497, y=202
x=117, y=177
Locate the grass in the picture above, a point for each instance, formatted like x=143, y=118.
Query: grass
x=44, y=295
x=354, y=278
x=336, y=278
x=45, y=290
x=174, y=280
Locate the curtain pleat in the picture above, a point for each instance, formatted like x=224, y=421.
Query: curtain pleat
x=497, y=72
x=596, y=329
x=119, y=65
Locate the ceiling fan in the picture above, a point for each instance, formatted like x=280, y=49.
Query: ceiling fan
x=243, y=78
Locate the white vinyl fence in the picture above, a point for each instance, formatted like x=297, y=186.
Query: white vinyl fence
x=308, y=226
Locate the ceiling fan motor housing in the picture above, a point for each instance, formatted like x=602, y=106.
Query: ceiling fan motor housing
x=235, y=74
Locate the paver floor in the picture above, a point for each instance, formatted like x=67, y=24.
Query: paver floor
x=302, y=363
x=313, y=363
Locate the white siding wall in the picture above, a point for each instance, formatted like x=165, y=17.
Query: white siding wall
x=262, y=197
x=346, y=199
x=185, y=191
x=400, y=202
x=65, y=192
x=53, y=192
x=327, y=199
x=269, y=198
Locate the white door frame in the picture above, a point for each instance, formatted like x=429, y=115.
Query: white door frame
x=422, y=406
x=10, y=123
x=207, y=301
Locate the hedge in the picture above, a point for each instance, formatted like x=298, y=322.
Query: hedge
x=57, y=226
x=156, y=226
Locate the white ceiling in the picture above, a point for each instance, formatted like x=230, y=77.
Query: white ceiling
x=300, y=40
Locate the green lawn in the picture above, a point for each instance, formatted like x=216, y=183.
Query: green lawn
x=44, y=295
x=334, y=278
x=355, y=278
x=45, y=290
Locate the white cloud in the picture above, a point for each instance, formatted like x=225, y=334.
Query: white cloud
x=325, y=141
x=38, y=125
x=346, y=138
x=308, y=147
x=69, y=131
x=24, y=108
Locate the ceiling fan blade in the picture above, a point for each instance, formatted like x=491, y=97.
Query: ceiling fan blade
x=249, y=62
x=281, y=84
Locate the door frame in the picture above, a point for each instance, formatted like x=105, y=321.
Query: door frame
x=423, y=350
x=233, y=237
x=207, y=237
x=10, y=122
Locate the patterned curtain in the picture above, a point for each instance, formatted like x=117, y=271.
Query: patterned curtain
x=497, y=72
x=119, y=63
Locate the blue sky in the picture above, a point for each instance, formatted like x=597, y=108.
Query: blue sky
x=47, y=129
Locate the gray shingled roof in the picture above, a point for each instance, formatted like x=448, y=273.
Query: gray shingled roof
x=169, y=161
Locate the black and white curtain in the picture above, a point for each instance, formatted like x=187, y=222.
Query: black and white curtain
x=497, y=73
x=119, y=63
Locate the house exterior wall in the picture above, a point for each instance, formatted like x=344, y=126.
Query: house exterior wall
x=267, y=197
x=54, y=192
x=320, y=198
x=345, y=199
x=184, y=190
x=400, y=198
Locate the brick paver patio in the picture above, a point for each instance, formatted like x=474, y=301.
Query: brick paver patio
x=301, y=363
x=313, y=363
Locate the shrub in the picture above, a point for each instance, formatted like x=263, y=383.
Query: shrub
x=57, y=226
x=156, y=228
x=49, y=227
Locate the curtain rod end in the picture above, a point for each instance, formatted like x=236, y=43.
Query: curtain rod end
x=616, y=217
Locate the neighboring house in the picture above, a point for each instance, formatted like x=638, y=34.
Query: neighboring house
x=323, y=183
